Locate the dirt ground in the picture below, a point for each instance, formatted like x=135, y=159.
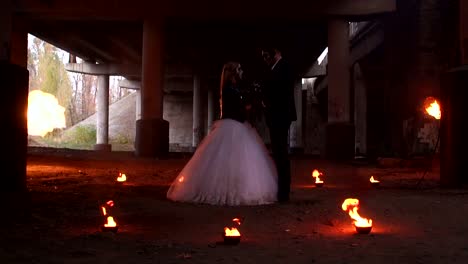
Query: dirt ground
x=413, y=222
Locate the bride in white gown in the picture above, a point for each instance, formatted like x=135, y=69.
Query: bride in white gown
x=231, y=166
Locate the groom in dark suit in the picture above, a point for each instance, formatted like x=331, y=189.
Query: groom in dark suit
x=280, y=111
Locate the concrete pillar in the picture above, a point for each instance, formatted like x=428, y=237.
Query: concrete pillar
x=71, y=58
x=360, y=111
x=138, y=105
x=102, y=125
x=313, y=140
x=295, y=132
x=14, y=197
x=6, y=26
x=152, y=131
x=339, y=138
x=19, y=44
x=197, y=120
x=453, y=129
x=210, y=110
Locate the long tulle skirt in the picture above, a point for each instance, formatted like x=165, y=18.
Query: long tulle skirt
x=231, y=166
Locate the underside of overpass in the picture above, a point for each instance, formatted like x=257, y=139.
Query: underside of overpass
x=199, y=37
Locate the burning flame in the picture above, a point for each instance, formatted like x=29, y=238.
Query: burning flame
x=122, y=177
x=316, y=175
x=44, y=113
x=231, y=231
x=237, y=221
x=432, y=107
x=109, y=203
x=181, y=179
x=352, y=205
x=373, y=180
x=110, y=222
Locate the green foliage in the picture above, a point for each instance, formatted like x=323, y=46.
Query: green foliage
x=51, y=76
x=82, y=135
x=121, y=139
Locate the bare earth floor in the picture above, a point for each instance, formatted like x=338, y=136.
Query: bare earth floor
x=413, y=223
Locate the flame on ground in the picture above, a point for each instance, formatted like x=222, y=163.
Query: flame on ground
x=231, y=231
x=110, y=222
x=237, y=221
x=122, y=177
x=432, y=107
x=373, y=180
x=351, y=205
x=316, y=174
x=44, y=113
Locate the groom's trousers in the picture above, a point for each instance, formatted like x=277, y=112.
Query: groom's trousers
x=279, y=146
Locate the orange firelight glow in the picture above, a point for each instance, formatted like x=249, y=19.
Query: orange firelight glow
x=104, y=211
x=432, y=107
x=231, y=232
x=44, y=113
x=351, y=205
x=373, y=180
x=122, y=177
x=316, y=174
x=110, y=222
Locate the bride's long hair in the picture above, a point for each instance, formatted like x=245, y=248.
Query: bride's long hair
x=230, y=74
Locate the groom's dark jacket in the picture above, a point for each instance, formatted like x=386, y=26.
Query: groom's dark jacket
x=278, y=94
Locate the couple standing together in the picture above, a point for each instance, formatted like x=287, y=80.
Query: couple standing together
x=232, y=166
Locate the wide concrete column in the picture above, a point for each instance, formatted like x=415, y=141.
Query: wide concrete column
x=360, y=111
x=295, y=132
x=19, y=44
x=197, y=120
x=152, y=131
x=14, y=197
x=6, y=27
x=453, y=129
x=210, y=110
x=339, y=137
x=102, y=124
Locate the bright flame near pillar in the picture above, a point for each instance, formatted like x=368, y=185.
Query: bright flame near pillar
x=432, y=107
x=44, y=113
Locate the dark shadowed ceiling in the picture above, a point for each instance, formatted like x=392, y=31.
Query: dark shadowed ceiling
x=201, y=35
x=190, y=44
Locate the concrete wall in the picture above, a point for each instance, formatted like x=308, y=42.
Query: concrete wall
x=178, y=111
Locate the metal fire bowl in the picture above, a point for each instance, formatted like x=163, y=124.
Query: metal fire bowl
x=109, y=229
x=318, y=184
x=363, y=230
x=231, y=240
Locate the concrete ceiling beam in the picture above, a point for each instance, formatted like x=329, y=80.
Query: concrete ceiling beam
x=136, y=9
x=88, y=45
x=129, y=84
x=104, y=69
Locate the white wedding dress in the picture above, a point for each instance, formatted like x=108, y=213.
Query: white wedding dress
x=231, y=166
